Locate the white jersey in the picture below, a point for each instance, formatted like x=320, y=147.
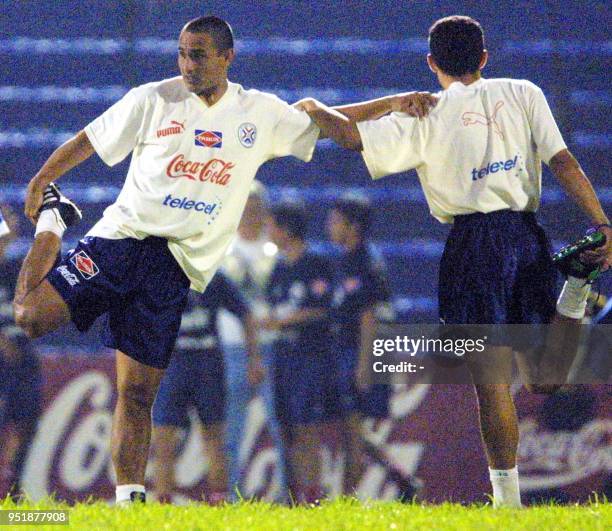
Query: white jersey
x=479, y=150
x=192, y=165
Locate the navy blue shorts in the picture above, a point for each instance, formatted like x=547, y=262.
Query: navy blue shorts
x=192, y=379
x=298, y=381
x=342, y=396
x=137, y=283
x=497, y=269
x=20, y=390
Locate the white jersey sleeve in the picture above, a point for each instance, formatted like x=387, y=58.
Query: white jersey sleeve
x=546, y=134
x=391, y=144
x=294, y=134
x=114, y=134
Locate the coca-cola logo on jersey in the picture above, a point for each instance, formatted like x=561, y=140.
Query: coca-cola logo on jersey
x=214, y=171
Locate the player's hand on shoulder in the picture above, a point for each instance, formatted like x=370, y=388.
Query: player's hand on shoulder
x=306, y=104
x=416, y=104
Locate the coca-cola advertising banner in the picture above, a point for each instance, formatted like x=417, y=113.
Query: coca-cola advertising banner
x=432, y=434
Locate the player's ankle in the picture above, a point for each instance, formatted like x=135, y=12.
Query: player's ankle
x=129, y=493
x=48, y=222
x=506, y=491
x=573, y=299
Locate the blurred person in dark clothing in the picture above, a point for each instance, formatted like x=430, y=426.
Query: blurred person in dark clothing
x=299, y=293
x=196, y=377
x=362, y=297
x=20, y=374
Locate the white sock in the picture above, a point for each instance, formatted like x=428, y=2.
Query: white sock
x=123, y=492
x=573, y=299
x=506, y=491
x=50, y=221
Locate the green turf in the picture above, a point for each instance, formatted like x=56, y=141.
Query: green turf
x=337, y=515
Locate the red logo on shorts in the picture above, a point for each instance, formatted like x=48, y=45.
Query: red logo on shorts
x=85, y=265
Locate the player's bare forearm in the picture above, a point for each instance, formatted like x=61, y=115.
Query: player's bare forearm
x=366, y=110
x=577, y=186
x=340, y=129
x=333, y=124
x=417, y=104
x=62, y=160
x=70, y=154
x=340, y=122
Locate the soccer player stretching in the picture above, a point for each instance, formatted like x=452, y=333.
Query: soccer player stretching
x=478, y=156
x=197, y=141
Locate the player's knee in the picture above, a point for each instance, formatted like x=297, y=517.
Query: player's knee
x=27, y=319
x=137, y=395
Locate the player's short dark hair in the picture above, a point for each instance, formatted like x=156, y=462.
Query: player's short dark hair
x=291, y=217
x=220, y=31
x=456, y=44
x=356, y=210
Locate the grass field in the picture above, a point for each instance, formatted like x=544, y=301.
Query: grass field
x=337, y=515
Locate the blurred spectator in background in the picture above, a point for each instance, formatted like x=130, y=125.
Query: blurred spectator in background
x=252, y=255
x=195, y=377
x=361, y=298
x=250, y=260
x=299, y=292
x=20, y=375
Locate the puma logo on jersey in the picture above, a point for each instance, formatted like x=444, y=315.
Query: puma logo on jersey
x=174, y=129
x=473, y=118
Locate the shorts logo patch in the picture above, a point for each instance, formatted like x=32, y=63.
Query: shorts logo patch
x=247, y=134
x=69, y=277
x=211, y=139
x=85, y=265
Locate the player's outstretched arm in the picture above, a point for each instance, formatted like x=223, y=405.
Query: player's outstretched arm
x=332, y=123
x=568, y=172
x=62, y=160
x=416, y=104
